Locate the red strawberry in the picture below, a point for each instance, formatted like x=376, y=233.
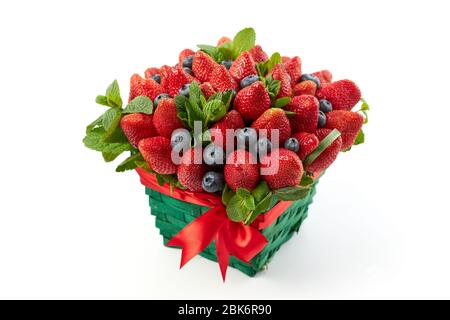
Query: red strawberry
x=348, y=123
x=307, y=110
x=150, y=72
x=281, y=168
x=184, y=54
x=223, y=40
x=191, y=170
x=274, y=119
x=327, y=157
x=305, y=87
x=172, y=79
x=308, y=143
x=285, y=59
x=202, y=66
x=324, y=76
x=221, y=79
x=207, y=89
x=165, y=118
x=138, y=126
x=144, y=87
x=241, y=170
x=343, y=94
x=258, y=54
x=280, y=74
x=294, y=69
x=252, y=101
x=232, y=120
x=243, y=66
x=157, y=152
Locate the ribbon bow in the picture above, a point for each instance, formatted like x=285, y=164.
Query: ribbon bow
x=232, y=238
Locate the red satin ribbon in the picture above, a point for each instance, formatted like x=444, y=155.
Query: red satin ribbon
x=232, y=238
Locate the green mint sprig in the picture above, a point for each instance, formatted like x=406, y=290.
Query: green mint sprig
x=244, y=40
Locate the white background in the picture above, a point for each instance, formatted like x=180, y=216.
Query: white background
x=70, y=227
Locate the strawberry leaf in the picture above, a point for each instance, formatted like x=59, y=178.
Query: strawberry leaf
x=140, y=104
x=364, y=109
x=323, y=145
x=265, y=67
x=359, y=138
x=281, y=102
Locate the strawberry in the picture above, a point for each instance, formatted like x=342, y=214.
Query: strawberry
x=218, y=131
x=172, y=79
x=241, y=170
x=307, y=113
x=308, y=143
x=308, y=87
x=281, y=168
x=348, y=123
x=144, y=87
x=184, y=54
x=324, y=76
x=280, y=74
x=343, y=94
x=207, y=89
x=166, y=119
x=138, y=126
x=157, y=152
x=243, y=66
x=202, y=66
x=223, y=40
x=150, y=72
x=294, y=69
x=327, y=157
x=285, y=59
x=191, y=170
x=258, y=54
x=274, y=119
x=252, y=101
x=221, y=79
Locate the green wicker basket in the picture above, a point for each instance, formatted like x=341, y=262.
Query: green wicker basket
x=172, y=215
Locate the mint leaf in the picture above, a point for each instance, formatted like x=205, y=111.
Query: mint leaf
x=194, y=94
x=261, y=207
x=214, y=111
x=130, y=162
x=225, y=52
x=140, y=104
x=236, y=209
x=249, y=203
x=212, y=51
x=323, y=145
x=273, y=87
x=291, y=193
x=244, y=40
x=180, y=103
x=226, y=99
x=97, y=123
x=281, y=102
x=111, y=120
x=113, y=95
x=261, y=191
x=227, y=194
x=243, y=193
x=359, y=138
x=144, y=165
x=102, y=100
x=306, y=181
x=265, y=67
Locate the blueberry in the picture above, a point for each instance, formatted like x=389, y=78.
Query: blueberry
x=188, y=70
x=184, y=91
x=187, y=62
x=322, y=119
x=213, y=155
x=325, y=106
x=159, y=98
x=264, y=146
x=213, y=182
x=292, y=144
x=227, y=63
x=311, y=77
x=157, y=78
x=180, y=138
x=246, y=138
x=248, y=80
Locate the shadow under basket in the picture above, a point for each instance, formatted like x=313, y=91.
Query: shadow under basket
x=172, y=215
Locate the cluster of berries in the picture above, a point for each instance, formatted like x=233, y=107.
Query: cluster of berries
x=267, y=94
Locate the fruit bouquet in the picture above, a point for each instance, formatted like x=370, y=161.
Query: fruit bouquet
x=230, y=144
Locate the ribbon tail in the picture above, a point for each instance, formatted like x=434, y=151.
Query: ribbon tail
x=223, y=256
x=198, y=234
